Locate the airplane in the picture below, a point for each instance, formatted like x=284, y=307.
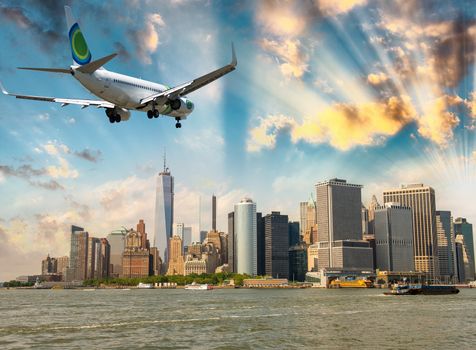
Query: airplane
x=120, y=93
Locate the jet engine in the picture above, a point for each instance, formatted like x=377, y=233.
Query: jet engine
x=181, y=105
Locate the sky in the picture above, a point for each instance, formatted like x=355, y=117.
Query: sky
x=380, y=93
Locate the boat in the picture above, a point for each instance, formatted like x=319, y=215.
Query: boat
x=356, y=283
x=196, y=286
x=434, y=289
x=425, y=289
x=145, y=285
x=403, y=289
x=39, y=285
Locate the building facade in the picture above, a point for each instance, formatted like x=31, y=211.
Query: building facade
x=276, y=228
x=465, y=264
x=260, y=244
x=394, y=238
x=245, y=237
x=298, y=262
x=446, y=245
x=117, y=243
x=463, y=227
x=176, y=258
x=135, y=259
x=421, y=199
x=78, y=258
x=339, y=221
x=231, y=241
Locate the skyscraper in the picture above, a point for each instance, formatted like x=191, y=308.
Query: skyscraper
x=446, y=244
x=78, y=258
x=260, y=244
x=464, y=263
x=394, y=238
x=245, y=237
x=231, y=241
x=214, y=213
x=117, y=244
x=298, y=262
x=421, y=199
x=340, y=227
x=463, y=227
x=371, y=213
x=302, y=217
x=164, y=212
x=94, y=250
x=276, y=228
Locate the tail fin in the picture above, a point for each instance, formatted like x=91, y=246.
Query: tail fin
x=79, y=47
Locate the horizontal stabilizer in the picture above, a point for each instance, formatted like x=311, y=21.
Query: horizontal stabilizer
x=93, y=66
x=53, y=70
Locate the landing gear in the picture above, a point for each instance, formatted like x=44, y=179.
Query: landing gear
x=178, y=125
x=153, y=113
x=113, y=116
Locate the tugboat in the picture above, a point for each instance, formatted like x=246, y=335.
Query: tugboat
x=403, y=289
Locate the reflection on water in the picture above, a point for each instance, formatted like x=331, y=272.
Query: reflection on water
x=238, y=319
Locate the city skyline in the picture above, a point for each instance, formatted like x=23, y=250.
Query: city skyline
x=374, y=110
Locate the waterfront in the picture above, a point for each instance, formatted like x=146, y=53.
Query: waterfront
x=234, y=319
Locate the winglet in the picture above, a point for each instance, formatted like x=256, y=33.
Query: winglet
x=3, y=89
x=234, y=62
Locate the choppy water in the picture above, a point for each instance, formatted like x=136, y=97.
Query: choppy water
x=234, y=319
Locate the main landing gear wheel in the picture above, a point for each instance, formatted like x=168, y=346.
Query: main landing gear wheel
x=113, y=116
x=153, y=113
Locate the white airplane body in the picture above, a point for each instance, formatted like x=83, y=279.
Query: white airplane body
x=121, y=93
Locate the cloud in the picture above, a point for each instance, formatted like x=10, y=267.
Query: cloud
x=282, y=18
x=333, y=7
x=293, y=60
x=282, y=24
x=43, y=117
x=122, y=52
x=55, y=148
x=52, y=185
x=25, y=171
x=471, y=104
x=89, y=155
x=63, y=170
x=342, y=125
x=264, y=135
x=46, y=29
x=437, y=122
x=447, y=47
x=147, y=39
x=377, y=79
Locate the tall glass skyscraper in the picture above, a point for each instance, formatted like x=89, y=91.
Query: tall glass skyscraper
x=421, y=199
x=245, y=237
x=164, y=212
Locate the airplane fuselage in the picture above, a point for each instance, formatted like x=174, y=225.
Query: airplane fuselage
x=127, y=92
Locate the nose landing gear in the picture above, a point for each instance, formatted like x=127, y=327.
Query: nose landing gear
x=178, y=125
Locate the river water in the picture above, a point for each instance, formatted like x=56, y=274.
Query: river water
x=235, y=319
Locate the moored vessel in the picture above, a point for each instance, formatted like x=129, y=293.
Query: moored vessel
x=145, y=285
x=357, y=283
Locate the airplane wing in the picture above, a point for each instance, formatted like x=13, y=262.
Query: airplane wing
x=63, y=101
x=186, y=88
